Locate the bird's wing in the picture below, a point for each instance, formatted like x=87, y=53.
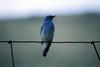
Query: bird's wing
x=42, y=27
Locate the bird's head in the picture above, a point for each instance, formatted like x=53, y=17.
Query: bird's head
x=49, y=17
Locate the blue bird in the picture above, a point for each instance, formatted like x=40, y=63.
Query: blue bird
x=47, y=33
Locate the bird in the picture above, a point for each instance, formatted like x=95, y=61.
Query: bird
x=47, y=33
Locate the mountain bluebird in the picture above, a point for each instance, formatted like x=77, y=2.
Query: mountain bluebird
x=47, y=33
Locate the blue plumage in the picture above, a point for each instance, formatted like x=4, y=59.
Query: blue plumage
x=47, y=33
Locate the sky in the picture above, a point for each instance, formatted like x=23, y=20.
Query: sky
x=18, y=8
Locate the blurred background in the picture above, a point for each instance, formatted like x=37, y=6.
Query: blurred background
x=76, y=20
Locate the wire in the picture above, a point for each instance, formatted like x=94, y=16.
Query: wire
x=52, y=42
x=95, y=50
x=12, y=55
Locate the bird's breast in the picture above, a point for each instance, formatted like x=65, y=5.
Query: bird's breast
x=47, y=32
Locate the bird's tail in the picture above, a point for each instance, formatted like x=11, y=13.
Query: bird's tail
x=46, y=49
x=44, y=53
